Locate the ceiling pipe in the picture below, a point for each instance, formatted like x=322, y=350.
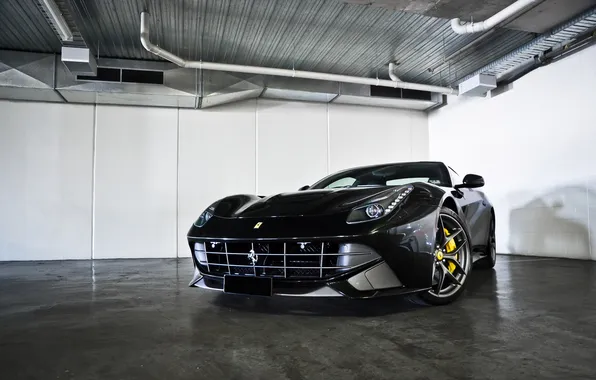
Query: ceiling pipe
x=514, y=9
x=150, y=47
x=392, y=74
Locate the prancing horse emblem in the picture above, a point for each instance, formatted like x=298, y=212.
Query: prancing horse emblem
x=258, y=225
x=253, y=257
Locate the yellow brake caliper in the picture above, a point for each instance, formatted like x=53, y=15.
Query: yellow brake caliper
x=450, y=247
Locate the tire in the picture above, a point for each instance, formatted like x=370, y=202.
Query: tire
x=490, y=252
x=450, y=292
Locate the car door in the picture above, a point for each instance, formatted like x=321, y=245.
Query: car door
x=475, y=209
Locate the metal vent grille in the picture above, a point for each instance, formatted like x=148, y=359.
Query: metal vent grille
x=293, y=260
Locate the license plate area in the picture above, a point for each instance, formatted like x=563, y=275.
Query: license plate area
x=256, y=286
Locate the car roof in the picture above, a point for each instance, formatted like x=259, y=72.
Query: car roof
x=393, y=163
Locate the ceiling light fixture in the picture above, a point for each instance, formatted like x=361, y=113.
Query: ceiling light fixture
x=55, y=17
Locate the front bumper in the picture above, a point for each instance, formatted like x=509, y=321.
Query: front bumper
x=404, y=263
x=377, y=281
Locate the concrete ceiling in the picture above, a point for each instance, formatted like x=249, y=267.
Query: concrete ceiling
x=536, y=20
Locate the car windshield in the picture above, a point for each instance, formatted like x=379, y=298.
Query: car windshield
x=387, y=175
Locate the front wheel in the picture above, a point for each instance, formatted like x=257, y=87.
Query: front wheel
x=452, y=260
x=490, y=254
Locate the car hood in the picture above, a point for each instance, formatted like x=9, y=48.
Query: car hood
x=301, y=203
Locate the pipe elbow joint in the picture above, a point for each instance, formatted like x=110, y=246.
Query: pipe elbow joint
x=145, y=42
x=392, y=74
x=460, y=28
x=457, y=26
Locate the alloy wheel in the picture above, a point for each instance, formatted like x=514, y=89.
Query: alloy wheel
x=452, y=257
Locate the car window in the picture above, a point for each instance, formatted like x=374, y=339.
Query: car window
x=343, y=182
x=403, y=181
x=388, y=175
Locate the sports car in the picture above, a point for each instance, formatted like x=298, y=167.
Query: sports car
x=401, y=228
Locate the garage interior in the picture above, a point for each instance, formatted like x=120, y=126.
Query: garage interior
x=122, y=120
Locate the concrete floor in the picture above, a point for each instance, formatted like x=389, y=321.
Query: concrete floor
x=137, y=319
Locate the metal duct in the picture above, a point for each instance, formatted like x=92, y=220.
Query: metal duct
x=390, y=98
x=305, y=90
x=221, y=88
x=79, y=60
x=177, y=88
x=149, y=46
x=27, y=76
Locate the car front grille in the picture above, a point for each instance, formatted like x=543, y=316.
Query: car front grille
x=294, y=260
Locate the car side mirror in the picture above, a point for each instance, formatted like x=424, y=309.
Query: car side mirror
x=305, y=187
x=471, y=181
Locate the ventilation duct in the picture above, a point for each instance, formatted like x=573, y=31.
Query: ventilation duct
x=221, y=88
x=44, y=77
x=27, y=76
x=387, y=97
x=305, y=90
x=79, y=60
x=124, y=85
x=478, y=85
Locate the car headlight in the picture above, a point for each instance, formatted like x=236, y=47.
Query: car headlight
x=379, y=207
x=206, y=215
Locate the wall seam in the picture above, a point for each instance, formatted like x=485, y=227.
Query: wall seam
x=177, y=181
x=589, y=225
x=257, y=146
x=328, y=142
x=411, y=119
x=93, y=175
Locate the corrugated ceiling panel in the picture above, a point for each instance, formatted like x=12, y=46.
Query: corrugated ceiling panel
x=23, y=27
x=321, y=35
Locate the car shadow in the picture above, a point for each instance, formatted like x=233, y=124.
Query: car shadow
x=555, y=222
x=338, y=307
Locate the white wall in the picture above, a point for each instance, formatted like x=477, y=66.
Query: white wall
x=135, y=182
x=535, y=146
x=358, y=137
x=292, y=145
x=111, y=182
x=46, y=154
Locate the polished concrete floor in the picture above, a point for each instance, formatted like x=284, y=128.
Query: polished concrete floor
x=530, y=318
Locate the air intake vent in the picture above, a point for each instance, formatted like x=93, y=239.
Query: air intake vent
x=124, y=76
x=103, y=75
x=142, y=76
x=399, y=93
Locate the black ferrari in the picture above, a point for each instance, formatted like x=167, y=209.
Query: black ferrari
x=404, y=228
